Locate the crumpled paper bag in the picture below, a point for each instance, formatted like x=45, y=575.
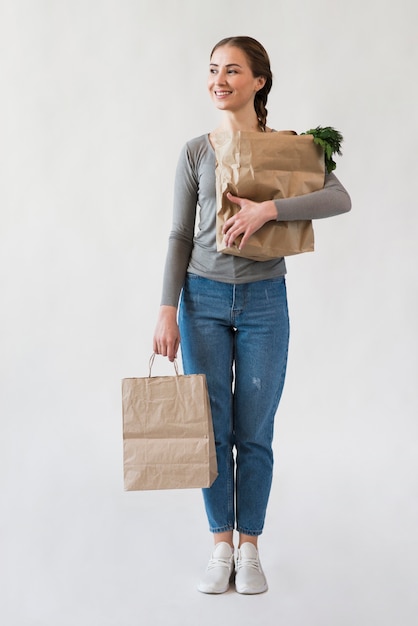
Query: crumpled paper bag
x=267, y=166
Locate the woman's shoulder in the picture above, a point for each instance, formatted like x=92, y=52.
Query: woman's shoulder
x=198, y=143
x=197, y=150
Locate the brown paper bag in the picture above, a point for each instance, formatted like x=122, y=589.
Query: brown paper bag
x=267, y=166
x=168, y=440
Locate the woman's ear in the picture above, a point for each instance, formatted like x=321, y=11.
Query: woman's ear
x=261, y=81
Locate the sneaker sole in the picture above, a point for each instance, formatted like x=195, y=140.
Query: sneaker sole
x=203, y=589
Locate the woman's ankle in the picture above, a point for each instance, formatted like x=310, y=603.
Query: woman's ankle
x=226, y=537
x=248, y=539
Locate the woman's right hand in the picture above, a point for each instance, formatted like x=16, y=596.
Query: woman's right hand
x=167, y=335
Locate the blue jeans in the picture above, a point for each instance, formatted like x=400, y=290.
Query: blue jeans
x=238, y=336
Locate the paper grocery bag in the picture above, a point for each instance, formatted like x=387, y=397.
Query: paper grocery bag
x=267, y=166
x=168, y=440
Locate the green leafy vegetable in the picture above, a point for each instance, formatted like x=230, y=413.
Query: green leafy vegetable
x=330, y=140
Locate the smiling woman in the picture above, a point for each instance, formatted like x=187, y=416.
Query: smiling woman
x=233, y=318
x=237, y=81
x=231, y=82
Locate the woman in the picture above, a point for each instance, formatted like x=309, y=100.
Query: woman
x=233, y=318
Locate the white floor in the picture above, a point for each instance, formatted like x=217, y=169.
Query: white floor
x=339, y=549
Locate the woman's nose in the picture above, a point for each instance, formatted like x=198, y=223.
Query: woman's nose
x=221, y=77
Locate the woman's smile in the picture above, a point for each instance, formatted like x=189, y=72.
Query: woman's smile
x=222, y=93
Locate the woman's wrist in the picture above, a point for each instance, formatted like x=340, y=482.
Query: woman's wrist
x=167, y=310
x=270, y=210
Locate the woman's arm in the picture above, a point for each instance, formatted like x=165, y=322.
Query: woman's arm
x=166, y=339
x=331, y=200
x=180, y=241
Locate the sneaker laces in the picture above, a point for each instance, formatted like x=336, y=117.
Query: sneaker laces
x=253, y=563
x=219, y=562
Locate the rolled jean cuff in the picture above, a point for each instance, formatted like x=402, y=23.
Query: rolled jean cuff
x=250, y=533
x=222, y=529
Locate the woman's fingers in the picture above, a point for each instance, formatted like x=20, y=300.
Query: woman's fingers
x=244, y=222
x=251, y=216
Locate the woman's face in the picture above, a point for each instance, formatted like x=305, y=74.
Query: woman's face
x=231, y=83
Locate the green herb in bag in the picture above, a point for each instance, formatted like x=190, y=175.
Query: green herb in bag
x=330, y=141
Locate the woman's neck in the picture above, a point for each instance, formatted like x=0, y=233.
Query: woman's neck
x=234, y=122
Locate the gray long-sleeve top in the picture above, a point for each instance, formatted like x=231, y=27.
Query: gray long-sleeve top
x=192, y=240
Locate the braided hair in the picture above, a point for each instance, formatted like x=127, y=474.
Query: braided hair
x=260, y=66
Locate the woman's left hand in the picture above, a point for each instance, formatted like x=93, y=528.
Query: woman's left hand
x=250, y=217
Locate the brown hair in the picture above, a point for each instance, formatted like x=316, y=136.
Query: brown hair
x=260, y=66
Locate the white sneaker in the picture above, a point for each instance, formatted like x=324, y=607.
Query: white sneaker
x=219, y=570
x=249, y=576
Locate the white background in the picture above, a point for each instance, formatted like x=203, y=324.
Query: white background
x=97, y=99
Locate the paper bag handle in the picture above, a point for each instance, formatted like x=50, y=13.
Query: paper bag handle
x=151, y=363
